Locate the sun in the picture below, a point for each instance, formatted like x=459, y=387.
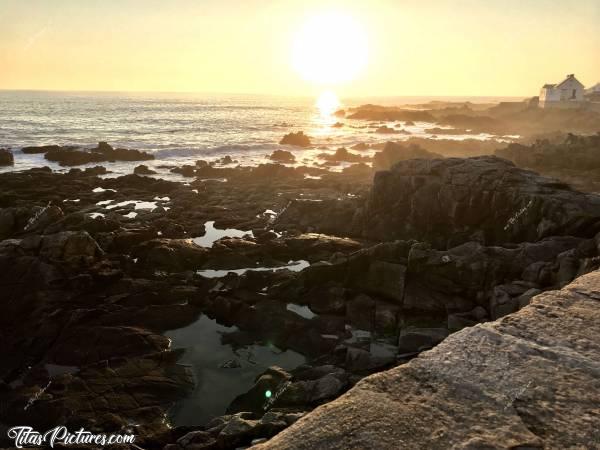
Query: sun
x=329, y=49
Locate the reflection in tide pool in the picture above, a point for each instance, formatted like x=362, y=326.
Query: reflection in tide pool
x=216, y=385
x=212, y=234
x=292, y=266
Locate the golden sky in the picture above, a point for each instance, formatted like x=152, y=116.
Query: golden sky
x=425, y=47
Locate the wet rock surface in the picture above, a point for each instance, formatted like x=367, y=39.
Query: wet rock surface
x=356, y=277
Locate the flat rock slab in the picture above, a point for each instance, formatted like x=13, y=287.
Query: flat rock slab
x=528, y=380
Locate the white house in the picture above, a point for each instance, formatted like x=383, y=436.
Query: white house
x=566, y=94
x=595, y=88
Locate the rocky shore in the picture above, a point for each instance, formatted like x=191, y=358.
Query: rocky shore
x=528, y=380
x=572, y=158
x=523, y=118
x=356, y=274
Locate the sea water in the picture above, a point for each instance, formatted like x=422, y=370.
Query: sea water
x=180, y=128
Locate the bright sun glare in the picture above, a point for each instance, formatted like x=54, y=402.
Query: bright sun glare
x=328, y=103
x=330, y=48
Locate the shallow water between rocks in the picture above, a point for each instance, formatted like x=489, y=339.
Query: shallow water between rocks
x=216, y=385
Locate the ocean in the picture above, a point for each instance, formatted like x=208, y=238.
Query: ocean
x=180, y=128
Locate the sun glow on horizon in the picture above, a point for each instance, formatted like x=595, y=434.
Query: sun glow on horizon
x=328, y=103
x=330, y=48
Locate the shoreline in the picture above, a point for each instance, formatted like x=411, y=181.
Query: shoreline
x=140, y=302
x=114, y=262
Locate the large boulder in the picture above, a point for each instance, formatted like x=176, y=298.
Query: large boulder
x=488, y=199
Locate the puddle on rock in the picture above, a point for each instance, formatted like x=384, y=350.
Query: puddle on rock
x=294, y=266
x=138, y=205
x=221, y=373
x=302, y=311
x=212, y=234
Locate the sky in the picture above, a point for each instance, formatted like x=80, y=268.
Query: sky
x=406, y=47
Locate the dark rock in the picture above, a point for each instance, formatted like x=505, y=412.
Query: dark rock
x=104, y=147
x=389, y=114
x=414, y=340
x=186, y=170
x=360, y=312
x=173, y=255
x=572, y=158
x=394, y=152
x=6, y=157
x=342, y=155
x=386, y=318
x=43, y=217
x=70, y=246
x=298, y=139
x=282, y=156
x=328, y=300
x=386, y=130
x=225, y=160
x=40, y=149
x=143, y=169
x=197, y=440
x=513, y=370
x=273, y=379
x=361, y=361
x=361, y=146
x=458, y=321
x=452, y=200
x=68, y=156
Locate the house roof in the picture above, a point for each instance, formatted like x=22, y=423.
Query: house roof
x=548, y=86
x=569, y=78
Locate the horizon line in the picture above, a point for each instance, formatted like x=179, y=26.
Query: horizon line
x=222, y=93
